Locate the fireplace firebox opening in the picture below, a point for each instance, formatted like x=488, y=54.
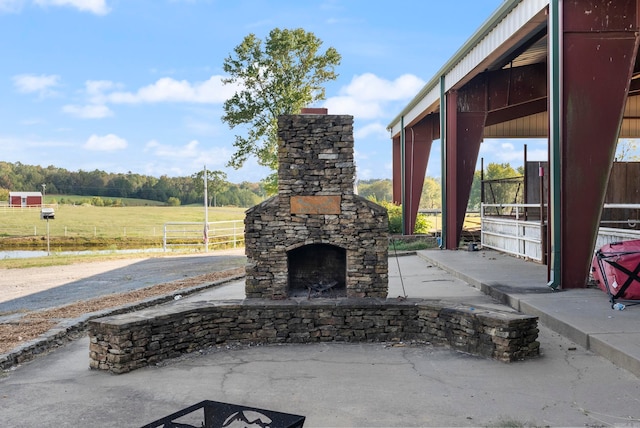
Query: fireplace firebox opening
x=317, y=270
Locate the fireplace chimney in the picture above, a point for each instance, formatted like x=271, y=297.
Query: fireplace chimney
x=316, y=237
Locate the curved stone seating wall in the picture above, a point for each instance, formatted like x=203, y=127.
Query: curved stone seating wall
x=121, y=343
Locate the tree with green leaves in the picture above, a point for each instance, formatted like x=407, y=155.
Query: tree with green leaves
x=431, y=197
x=376, y=190
x=508, y=192
x=216, y=184
x=279, y=76
x=627, y=151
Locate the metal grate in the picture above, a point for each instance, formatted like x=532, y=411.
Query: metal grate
x=214, y=414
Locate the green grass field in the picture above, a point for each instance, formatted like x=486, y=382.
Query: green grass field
x=101, y=226
x=137, y=225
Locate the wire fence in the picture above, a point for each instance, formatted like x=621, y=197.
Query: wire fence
x=40, y=229
x=218, y=234
x=502, y=194
x=23, y=222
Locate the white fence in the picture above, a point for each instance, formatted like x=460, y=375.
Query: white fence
x=512, y=234
x=57, y=229
x=197, y=234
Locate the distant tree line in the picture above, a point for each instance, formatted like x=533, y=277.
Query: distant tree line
x=101, y=184
x=107, y=188
x=431, y=198
x=382, y=191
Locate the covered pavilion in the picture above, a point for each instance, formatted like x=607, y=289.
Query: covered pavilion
x=565, y=70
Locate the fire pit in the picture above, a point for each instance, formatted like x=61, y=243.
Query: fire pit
x=214, y=414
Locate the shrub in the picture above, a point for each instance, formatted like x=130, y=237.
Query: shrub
x=395, y=219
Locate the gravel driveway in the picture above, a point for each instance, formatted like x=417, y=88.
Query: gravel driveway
x=33, y=289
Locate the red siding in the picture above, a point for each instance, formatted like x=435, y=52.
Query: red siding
x=34, y=200
x=16, y=201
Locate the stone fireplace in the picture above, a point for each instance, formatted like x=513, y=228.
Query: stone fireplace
x=316, y=237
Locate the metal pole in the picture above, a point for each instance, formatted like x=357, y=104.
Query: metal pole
x=543, y=232
x=526, y=186
x=48, y=249
x=555, y=135
x=206, y=212
x=164, y=237
x=481, y=181
x=403, y=184
x=443, y=161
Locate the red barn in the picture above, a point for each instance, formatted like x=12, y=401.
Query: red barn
x=25, y=199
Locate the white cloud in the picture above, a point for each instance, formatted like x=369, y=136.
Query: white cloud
x=365, y=174
x=151, y=145
x=107, y=143
x=368, y=86
x=201, y=127
x=20, y=143
x=353, y=106
x=90, y=111
x=191, y=156
x=189, y=150
x=42, y=84
x=507, y=147
x=366, y=96
x=170, y=90
x=96, y=89
x=537, y=155
x=512, y=151
x=98, y=7
x=377, y=130
x=31, y=121
x=11, y=6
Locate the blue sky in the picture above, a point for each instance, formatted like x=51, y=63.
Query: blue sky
x=134, y=85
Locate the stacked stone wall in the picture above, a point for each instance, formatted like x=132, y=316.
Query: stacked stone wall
x=316, y=204
x=122, y=343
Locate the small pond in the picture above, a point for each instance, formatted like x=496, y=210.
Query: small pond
x=24, y=254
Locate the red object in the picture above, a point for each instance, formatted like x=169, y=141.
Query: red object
x=616, y=268
x=25, y=199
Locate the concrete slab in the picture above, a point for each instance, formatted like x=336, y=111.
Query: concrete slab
x=619, y=348
x=411, y=277
x=582, y=315
x=390, y=384
x=338, y=385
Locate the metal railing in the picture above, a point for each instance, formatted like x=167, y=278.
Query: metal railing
x=511, y=232
x=206, y=235
x=509, y=228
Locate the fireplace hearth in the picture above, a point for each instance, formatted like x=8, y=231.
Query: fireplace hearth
x=317, y=270
x=316, y=237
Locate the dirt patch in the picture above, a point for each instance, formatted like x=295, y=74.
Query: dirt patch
x=36, y=323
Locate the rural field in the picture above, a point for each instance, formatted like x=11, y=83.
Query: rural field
x=86, y=226
x=142, y=225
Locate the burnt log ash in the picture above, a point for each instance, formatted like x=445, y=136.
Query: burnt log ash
x=320, y=287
